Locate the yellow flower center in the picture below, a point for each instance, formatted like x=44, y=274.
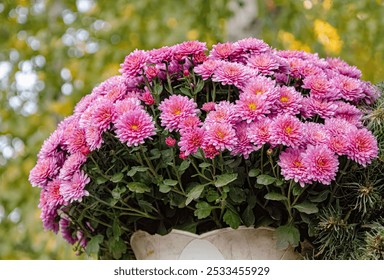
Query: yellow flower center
x=284, y=99
x=252, y=106
x=288, y=130
x=134, y=127
x=176, y=112
x=297, y=163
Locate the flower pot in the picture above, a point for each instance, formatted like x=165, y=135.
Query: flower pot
x=222, y=244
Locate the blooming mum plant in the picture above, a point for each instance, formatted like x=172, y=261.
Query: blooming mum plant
x=193, y=139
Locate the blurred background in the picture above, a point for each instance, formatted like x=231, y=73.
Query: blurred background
x=53, y=52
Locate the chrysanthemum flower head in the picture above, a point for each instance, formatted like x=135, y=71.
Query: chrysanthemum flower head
x=259, y=132
x=362, y=146
x=315, y=133
x=322, y=163
x=243, y=145
x=221, y=135
x=127, y=104
x=191, y=140
x=207, y=68
x=44, y=170
x=189, y=48
x=288, y=101
x=312, y=107
x=175, y=109
x=264, y=63
x=224, y=51
x=349, y=89
x=293, y=167
x=232, y=73
x=134, y=63
x=287, y=130
x=74, y=189
x=252, y=107
x=260, y=85
x=252, y=46
x=320, y=87
x=224, y=112
x=134, y=127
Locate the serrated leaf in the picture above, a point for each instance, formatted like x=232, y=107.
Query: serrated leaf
x=225, y=179
x=117, y=247
x=265, y=180
x=117, y=177
x=287, y=235
x=164, y=188
x=194, y=193
x=275, y=196
x=212, y=195
x=203, y=210
x=232, y=219
x=170, y=182
x=306, y=207
x=254, y=172
x=93, y=245
x=138, y=187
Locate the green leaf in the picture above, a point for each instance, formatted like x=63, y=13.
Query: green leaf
x=138, y=187
x=157, y=89
x=194, y=193
x=287, y=235
x=253, y=172
x=116, y=229
x=101, y=180
x=170, y=182
x=297, y=190
x=136, y=169
x=185, y=91
x=117, y=247
x=237, y=195
x=248, y=216
x=164, y=188
x=225, y=179
x=306, y=207
x=117, y=177
x=184, y=166
x=265, y=180
x=320, y=197
x=212, y=195
x=93, y=245
x=232, y=219
x=204, y=165
x=199, y=86
x=275, y=196
x=203, y=210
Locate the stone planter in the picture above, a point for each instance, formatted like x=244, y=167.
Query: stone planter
x=223, y=244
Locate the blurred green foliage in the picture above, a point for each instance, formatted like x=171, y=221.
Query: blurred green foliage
x=52, y=52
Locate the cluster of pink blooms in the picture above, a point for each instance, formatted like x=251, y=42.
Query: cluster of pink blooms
x=302, y=104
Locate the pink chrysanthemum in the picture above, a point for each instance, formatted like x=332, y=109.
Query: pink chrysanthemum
x=161, y=55
x=116, y=91
x=93, y=137
x=343, y=68
x=259, y=132
x=175, y=109
x=210, y=151
x=293, y=167
x=308, y=68
x=252, y=107
x=191, y=140
x=127, y=104
x=322, y=164
x=170, y=141
x=134, y=63
x=190, y=123
x=48, y=216
x=349, y=89
x=74, y=189
x=147, y=98
x=53, y=197
x=252, y=46
x=337, y=126
x=370, y=92
x=232, y=73
x=50, y=146
x=209, y=106
x=44, y=170
x=84, y=103
x=66, y=231
x=349, y=113
x=362, y=146
x=295, y=65
x=206, y=69
x=224, y=112
x=315, y=133
x=261, y=85
x=312, y=107
x=320, y=87
x=221, y=135
x=223, y=51
x=288, y=101
x=287, y=130
x=189, y=48
x=103, y=114
x=265, y=63
x=76, y=141
x=338, y=144
x=243, y=145
x=71, y=165
x=151, y=72
x=134, y=127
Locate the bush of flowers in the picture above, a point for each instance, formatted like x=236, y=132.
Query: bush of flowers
x=187, y=138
